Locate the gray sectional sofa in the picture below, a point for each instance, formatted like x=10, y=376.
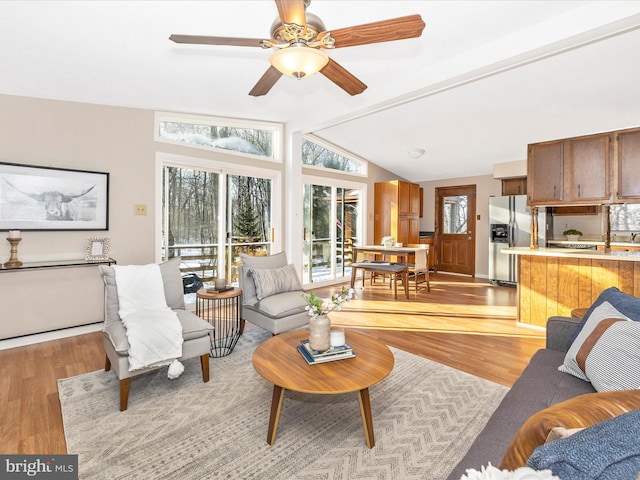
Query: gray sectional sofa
x=584, y=424
x=539, y=386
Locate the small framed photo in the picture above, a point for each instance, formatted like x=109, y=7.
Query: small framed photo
x=97, y=249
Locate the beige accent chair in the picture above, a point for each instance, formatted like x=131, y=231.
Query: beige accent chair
x=278, y=306
x=419, y=269
x=195, y=331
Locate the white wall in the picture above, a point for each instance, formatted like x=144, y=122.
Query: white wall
x=486, y=186
x=99, y=138
x=87, y=137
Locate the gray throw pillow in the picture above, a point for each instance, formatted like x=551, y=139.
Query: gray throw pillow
x=271, y=281
x=276, y=260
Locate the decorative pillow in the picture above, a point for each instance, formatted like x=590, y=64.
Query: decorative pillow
x=606, y=450
x=577, y=412
x=623, y=302
x=271, y=281
x=614, y=361
x=276, y=260
x=602, y=317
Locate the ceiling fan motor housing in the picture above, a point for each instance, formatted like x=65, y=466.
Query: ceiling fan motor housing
x=290, y=32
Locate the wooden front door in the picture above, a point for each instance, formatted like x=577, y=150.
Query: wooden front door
x=455, y=229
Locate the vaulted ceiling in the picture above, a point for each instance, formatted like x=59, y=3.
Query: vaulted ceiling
x=484, y=79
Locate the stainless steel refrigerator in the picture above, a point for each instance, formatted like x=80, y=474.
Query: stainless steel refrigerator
x=510, y=226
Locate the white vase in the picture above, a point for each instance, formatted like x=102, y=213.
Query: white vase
x=319, y=333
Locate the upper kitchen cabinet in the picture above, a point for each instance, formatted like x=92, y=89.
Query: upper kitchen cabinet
x=588, y=169
x=628, y=165
x=572, y=171
x=545, y=173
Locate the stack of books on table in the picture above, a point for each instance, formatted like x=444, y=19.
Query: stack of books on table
x=314, y=357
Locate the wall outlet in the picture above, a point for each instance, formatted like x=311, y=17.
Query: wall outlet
x=140, y=209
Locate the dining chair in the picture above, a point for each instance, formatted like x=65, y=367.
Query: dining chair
x=420, y=266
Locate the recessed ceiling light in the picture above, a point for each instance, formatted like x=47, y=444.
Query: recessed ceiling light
x=416, y=152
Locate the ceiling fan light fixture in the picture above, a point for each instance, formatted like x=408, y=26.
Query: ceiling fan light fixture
x=299, y=60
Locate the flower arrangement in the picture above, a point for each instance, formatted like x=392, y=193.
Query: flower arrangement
x=572, y=231
x=523, y=473
x=318, y=306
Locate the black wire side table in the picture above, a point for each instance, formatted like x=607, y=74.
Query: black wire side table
x=224, y=311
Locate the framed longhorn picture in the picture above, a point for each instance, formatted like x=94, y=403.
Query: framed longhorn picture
x=47, y=198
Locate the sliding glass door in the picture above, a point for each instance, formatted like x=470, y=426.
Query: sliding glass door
x=210, y=217
x=332, y=224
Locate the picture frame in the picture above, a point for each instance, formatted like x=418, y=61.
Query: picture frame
x=48, y=198
x=97, y=249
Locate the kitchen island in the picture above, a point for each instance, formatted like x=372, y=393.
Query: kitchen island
x=554, y=281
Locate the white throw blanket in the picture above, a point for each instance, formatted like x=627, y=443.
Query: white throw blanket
x=153, y=329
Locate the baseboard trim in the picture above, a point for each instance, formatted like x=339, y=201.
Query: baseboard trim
x=47, y=336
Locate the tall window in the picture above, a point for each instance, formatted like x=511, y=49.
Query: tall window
x=211, y=216
x=332, y=225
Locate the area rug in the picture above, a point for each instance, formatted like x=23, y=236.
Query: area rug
x=425, y=417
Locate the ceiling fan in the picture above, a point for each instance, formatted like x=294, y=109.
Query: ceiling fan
x=299, y=38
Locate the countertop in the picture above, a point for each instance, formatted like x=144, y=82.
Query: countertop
x=595, y=242
x=573, y=253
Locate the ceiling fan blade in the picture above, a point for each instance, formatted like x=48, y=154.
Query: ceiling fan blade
x=204, y=40
x=268, y=80
x=341, y=77
x=400, y=28
x=292, y=11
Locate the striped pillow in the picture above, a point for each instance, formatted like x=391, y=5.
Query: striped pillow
x=607, y=351
x=614, y=361
x=271, y=281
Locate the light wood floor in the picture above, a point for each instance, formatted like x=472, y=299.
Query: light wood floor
x=464, y=323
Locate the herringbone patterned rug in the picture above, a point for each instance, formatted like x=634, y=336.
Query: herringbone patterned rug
x=425, y=417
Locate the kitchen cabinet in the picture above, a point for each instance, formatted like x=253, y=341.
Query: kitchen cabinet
x=576, y=210
x=588, y=169
x=628, y=165
x=545, y=173
x=570, y=171
x=514, y=186
x=432, y=254
x=396, y=211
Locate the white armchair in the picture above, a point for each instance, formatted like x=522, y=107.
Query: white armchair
x=195, y=331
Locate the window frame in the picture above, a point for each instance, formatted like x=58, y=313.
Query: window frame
x=338, y=151
x=276, y=128
x=183, y=161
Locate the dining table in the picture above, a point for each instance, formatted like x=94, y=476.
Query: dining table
x=394, y=268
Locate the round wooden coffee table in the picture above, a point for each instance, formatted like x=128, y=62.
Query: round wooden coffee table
x=278, y=361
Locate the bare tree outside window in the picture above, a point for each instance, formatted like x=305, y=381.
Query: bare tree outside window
x=318, y=156
x=455, y=214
